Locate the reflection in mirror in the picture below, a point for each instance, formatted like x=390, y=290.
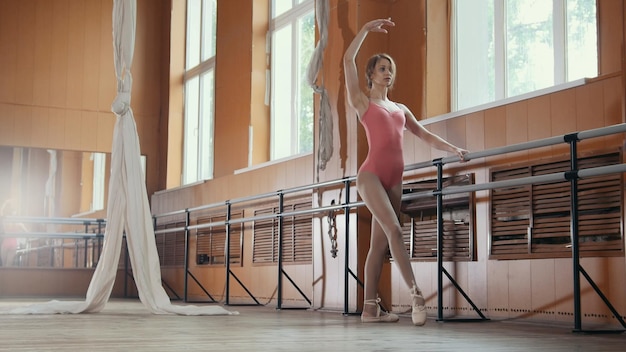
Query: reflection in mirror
x=46, y=189
x=47, y=183
x=53, y=183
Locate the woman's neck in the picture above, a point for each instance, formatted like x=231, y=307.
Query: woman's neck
x=378, y=94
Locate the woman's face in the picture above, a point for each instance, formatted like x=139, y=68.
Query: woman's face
x=382, y=74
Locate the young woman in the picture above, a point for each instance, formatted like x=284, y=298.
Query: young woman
x=379, y=179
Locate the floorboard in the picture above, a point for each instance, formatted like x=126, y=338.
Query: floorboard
x=126, y=325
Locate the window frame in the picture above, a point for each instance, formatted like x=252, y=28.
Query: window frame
x=199, y=129
x=291, y=17
x=560, y=55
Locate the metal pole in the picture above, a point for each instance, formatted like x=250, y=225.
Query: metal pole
x=346, y=236
x=439, y=166
x=228, y=261
x=187, y=223
x=281, y=197
x=227, y=227
x=572, y=139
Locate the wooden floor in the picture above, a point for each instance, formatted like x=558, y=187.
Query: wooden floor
x=125, y=325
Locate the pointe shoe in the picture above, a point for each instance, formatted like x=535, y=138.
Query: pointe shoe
x=418, y=315
x=379, y=318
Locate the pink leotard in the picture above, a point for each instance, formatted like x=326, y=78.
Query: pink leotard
x=385, y=131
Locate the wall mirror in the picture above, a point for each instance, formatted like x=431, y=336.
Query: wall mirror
x=55, y=183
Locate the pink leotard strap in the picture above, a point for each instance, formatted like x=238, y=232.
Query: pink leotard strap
x=385, y=131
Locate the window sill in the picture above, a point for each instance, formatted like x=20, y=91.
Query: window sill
x=506, y=101
x=177, y=188
x=271, y=162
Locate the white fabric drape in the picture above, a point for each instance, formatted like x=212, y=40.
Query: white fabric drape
x=49, y=199
x=128, y=209
x=325, y=146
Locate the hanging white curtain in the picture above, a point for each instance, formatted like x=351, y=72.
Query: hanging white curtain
x=325, y=147
x=128, y=209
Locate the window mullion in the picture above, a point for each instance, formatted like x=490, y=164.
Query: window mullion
x=200, y=129
x=287, y=17
x=202, y=67
x=500, y=48
x=560, y=41
x=295, y=44
x=454, y=60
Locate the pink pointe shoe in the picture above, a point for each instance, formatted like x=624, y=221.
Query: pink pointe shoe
x=381, y=316
x=418, y=315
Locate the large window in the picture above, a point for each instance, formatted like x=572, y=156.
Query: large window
x=504, y=48
x=199, y=85
x=293, y=40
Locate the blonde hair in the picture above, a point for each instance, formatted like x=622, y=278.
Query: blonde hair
x=371, y=65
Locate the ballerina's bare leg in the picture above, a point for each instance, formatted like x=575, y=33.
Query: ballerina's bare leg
x=386, y=233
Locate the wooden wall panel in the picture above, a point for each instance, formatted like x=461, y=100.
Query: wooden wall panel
x=106, y=123
x=74, y=55
x=437, y=58
x=107, y=84
x=516, y=122
x=146, y=63
x=590, y=106
x=407, y=45
x=611, y=97
x=24, y=68
x=40, y=127
x=175, y=98
x=475, y=131
x=562, y=116
x=542, y=295
x=260, y=112
x=23, y=125
x=58, y=56
x=497, y=291
x=520, y=284
x=517, y=126
x=456, y=132
x=42, y=54
x=441, y=130
x=8, y=49
x=477, y=283
x=613, y=286
x=47, y=283
x=92, y=37
x=611, y=35
x=232, y=96
x=600, y=273
x=495, y=123
x=538, y=114
x=56, y=130
x=57, y=73
x=563, y=283
x=88, y=128
x=72, y=122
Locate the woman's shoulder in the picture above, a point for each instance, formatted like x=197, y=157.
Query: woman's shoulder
x=400, y=105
